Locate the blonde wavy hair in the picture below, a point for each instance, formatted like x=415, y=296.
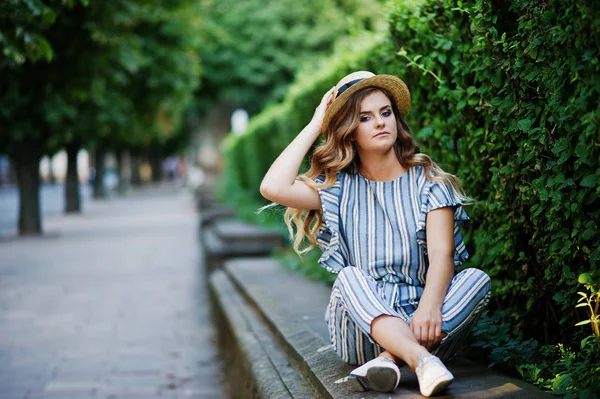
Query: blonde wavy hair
x=337, y=153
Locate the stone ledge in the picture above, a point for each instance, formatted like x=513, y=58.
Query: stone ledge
x=293, y=308
x=267, y=365
x=235, y=232
x=209, y=216
x=224, y=238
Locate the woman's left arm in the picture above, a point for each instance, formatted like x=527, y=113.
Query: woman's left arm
x=426, y=323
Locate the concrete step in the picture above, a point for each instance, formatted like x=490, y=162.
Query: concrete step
x=293, y=309
x=225, y=238
x=209, y=216
x=255, y=364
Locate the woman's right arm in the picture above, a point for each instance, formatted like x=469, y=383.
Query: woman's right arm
x=279, y=184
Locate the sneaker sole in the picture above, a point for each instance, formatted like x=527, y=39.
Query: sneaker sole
x=438, y=386
x=380, y=379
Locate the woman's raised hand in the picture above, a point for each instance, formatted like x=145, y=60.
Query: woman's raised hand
x=319, y=115
x=280, y=184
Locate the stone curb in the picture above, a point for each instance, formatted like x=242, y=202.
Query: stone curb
x=265, y=285
x=316, y=360
x=230, y=238
x=213, y=214
x=271, y=373
x=226, y=238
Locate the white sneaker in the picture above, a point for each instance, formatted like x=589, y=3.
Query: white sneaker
x=380, y=374
x=433, y=375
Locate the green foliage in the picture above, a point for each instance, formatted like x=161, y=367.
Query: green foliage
x=505, y=95
x=570, y=372
x=496, y=103
x=150, y=57
x=21, y=26
x=270, y=131
x=122, y=72
x=24, y=46
x=591, y=303
x=257, y=46
x=500, y=345
x=112, y=73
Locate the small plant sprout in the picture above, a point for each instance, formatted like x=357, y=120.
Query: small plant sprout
x=591, y=301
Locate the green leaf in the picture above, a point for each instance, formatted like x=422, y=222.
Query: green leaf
x=530, y=303
x=585, y=278
x=589, y=233
x=561, y=145
x=525, y=124
x=589, y=181
x=584, y=341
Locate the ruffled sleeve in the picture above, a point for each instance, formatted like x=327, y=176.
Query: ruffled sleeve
x=328, y=236
x=435, y=196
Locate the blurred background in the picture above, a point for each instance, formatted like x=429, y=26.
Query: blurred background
x=100, y=96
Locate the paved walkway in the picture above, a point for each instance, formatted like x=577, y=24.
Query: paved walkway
x=109, y=304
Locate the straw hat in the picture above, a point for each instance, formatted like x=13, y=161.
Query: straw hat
x=355, y=81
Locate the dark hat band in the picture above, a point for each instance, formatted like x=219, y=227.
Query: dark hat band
x=347, y=86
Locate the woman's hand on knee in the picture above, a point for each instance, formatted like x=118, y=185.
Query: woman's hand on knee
x=426, y=325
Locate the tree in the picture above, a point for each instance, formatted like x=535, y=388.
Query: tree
x=257, y=46
x=113, y=74
x=26, y=84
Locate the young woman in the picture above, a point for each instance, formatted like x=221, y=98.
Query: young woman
x=387, y=219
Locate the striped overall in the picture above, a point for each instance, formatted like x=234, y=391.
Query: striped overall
x=374, y=236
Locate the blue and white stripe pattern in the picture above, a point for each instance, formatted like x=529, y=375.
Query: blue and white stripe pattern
x=379, y=227
x=376, y=230
x=357, y=299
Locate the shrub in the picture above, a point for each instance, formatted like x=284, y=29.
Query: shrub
x=505, y=95
x=495, y=102
x=248, y=156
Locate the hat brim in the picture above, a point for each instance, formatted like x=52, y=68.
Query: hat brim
x=392, y=84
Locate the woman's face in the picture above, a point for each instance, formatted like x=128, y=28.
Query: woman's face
x=376, y=129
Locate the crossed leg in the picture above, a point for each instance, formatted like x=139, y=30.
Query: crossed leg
x=361, y=323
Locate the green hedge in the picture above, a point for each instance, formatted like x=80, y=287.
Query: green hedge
x=248, y=157
x=505, y=95
x=515, y=114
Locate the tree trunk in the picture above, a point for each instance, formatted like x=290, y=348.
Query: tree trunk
x=99, y=192
x=123, y=170
x=156, y=165
x=27, y=169
x=119, y=171
x=72, y=197
x=136, y=177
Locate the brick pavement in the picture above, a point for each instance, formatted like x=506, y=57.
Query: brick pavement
x=109, y=304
